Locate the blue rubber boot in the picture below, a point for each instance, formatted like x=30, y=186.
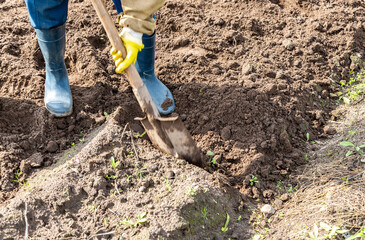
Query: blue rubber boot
x=57, y=94
x=145, y=65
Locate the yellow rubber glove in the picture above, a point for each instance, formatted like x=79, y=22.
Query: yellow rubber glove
x=133, y=44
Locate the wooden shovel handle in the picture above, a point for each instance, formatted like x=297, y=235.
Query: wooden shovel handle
x=140, y=91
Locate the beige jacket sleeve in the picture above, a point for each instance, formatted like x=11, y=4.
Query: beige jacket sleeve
x=138, y=15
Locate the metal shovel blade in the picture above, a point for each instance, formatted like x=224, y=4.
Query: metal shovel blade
x=170, y=136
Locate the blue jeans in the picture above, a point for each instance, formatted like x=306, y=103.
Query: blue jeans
x=47, y=14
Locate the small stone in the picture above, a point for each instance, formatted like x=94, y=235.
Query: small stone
x=183, y=117
x=255, y=192
x=52, y=147
x=268, y=209
x=329, y=130
x=297, y=63
x=70, y=128
x=100, y=120
x=278, y=203
x=35, y=160
x=142, y=189
x=226, y=133
x=152, y=168
x=283, y=172
x=170, y=175
x=24, y=166
x=181, y=42
x=247, y=69
x=279, y=74
x=288, y=44
x=285, y=197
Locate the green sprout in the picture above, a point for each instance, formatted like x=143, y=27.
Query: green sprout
x=239, y=218
x=204, y=212
x=129, y=178
x=168, y=184
x=360, y=235
x=211, y=157
x=142, y=218
x=253, y=180
x=140, y=135
x=82, y=140
x=114, y=164
x=111, y=176
x=17, y=175
x=357, y=149
x=279, y=185
x=225, y=226
x=106, y=114
x=307, y=136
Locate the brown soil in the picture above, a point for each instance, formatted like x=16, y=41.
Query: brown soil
x=250, y=80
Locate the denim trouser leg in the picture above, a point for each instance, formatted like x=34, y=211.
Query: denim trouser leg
x=47, y=14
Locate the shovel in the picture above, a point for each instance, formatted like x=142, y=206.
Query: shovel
x=166, y=133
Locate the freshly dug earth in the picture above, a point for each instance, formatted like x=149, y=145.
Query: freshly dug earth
x=250, y=79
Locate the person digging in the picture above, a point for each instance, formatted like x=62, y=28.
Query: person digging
x=138, y=35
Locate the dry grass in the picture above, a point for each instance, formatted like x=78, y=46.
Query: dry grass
x=332, y=187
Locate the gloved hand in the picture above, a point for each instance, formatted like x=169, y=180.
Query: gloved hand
x=133, y=44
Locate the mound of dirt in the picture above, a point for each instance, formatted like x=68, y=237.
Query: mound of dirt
x=251, y=80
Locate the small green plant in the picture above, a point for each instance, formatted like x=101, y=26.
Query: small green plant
x=239, y=218
x=113, y=163
x=307, y=136
x=292, y=189
x=17, y=175
x=253, y=180
x=332, y=231
x=73, y=144
x=360, y=235
x=106, y=114
x=357, y=149
x=204, y=213
x=111, y=176
x=128, y=178
x=225, y=226
x=279, y=185
x=168, y=184
x=140, y=173
x=82, y=140
x=211, y=157
x=191, y=190
x=142, y=218
x=106, y=222
x=281, y=214
x=306, y=157
x=140, y=135
x=351, y=132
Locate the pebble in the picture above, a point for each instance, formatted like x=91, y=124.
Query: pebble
x=278, y=203
x=329, y=130
x=285, y=197
x=142, y=189
x=247, y=69
x=170, y=175
x=226, y=133
x=288, y=44
x=36, y=160
x=268, y=209
x=152, y=168
x=52, y=147
x=280, y=74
